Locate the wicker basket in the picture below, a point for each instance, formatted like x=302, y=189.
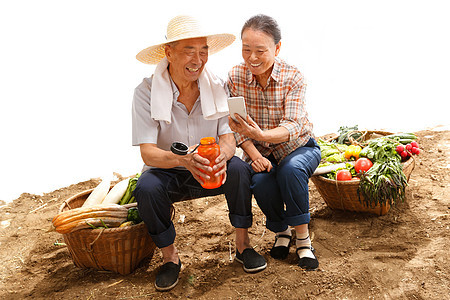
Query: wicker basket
x=343, y=195
x=114, y=249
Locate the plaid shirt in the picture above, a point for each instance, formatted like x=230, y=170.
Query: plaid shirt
x=280, y=103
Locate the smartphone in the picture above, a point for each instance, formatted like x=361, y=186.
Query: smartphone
x=236, y=105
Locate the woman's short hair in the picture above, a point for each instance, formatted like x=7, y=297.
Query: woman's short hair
x=265, y=24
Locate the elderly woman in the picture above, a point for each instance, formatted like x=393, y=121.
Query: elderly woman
x=276, y=137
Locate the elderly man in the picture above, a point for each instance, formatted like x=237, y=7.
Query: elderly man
x=184, y=102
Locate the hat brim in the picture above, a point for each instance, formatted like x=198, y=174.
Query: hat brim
x=216, y=42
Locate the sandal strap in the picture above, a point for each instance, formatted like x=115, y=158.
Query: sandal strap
x=283, y=236
x=303, y=239
x=305, y=247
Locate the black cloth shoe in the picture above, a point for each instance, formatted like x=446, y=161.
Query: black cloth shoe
x=167, y=277
x=280, y=252
x=252, y=261
x=308, y=263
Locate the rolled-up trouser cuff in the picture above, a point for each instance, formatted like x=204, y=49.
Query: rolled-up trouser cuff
x=165, y=238
x=241, y=221
x=288, y=221
x=299, y=219
x=276, y=226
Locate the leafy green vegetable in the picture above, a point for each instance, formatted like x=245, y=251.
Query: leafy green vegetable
x=328, y=149
x=128, y=196
x=336, y=158
x=385, y=180
x=380, y=149
x=332, y=153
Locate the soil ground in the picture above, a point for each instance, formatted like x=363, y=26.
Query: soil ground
x=401, y=255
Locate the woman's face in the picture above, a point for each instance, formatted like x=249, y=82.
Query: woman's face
x=259, y=51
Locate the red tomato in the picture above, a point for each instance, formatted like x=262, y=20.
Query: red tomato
x=363, y=165
x=399, y=149
x=404, y=155
x=343, y=175
x=415, y=150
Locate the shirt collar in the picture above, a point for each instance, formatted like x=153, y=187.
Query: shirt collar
x=275, y=75
x=176, y=92
x=276, y=71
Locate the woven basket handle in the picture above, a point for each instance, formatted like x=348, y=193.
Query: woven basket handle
x=339, y=193
x=91, y=245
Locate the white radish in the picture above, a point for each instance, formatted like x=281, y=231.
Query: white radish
x=98, y=194
x=116, y=193
x=330, y=168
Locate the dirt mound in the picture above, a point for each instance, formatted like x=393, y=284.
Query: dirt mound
x=402, y=255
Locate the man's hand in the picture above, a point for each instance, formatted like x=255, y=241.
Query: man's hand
x=194, y=163
x=221, y=167
x=248, y=128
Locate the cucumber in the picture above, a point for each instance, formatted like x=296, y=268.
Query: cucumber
x=406, y=136
x=405, y=141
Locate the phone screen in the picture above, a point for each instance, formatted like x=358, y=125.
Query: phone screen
x=236, y=105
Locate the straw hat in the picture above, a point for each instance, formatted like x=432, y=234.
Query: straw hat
x=180, y=28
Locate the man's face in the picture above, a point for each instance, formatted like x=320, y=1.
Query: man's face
x=187, y=58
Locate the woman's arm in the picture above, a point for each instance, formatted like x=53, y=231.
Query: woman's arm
x=276, y=135
x=259, y=162
x=249, y=148
x=252, y=130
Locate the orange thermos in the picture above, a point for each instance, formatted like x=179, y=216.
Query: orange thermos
x=210, y=149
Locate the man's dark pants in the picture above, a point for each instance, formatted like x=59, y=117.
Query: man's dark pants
x=158, y=188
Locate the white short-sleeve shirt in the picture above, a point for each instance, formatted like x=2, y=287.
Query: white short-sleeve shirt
x=185, y=127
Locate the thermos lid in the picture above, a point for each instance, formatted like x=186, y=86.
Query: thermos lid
x=179, y=148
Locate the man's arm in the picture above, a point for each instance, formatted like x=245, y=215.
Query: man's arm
x=227, y=145
x=155, y=157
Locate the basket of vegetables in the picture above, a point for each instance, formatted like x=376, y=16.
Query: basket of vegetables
x=365, y=172
x=104, y=235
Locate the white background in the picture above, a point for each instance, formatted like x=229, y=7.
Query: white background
x=68, y=72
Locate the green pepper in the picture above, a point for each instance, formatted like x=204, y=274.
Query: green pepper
x=133, y=215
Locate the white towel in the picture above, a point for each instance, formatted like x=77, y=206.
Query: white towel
x=212, y=94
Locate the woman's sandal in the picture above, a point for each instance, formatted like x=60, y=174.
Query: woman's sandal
x=308, y=263
x=280, y=252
